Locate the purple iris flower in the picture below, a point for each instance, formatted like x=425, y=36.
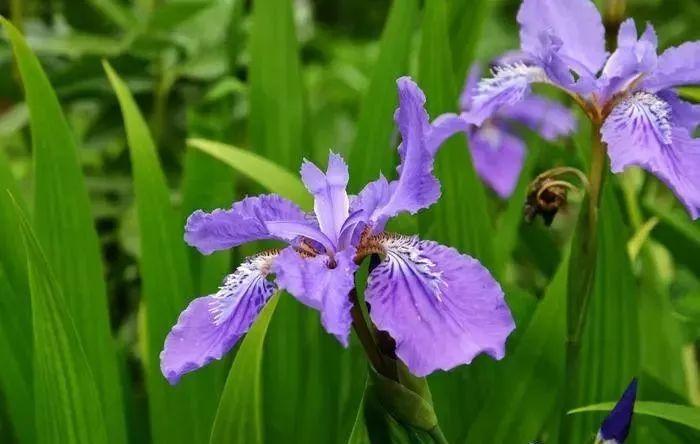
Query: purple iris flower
x=497, y=150
x=616, y=426
x=630, y=92
x=441, y=307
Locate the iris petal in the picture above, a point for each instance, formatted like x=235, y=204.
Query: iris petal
x=244, y=222
x=331, y=201
x=210, y=326
x=441, y=307
x=640, y=132
x=676, y=66
x=577, y=23
x=416, y=187
x=322, y=284
x=498, y=158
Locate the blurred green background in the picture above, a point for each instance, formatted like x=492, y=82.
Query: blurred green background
x=291, y=79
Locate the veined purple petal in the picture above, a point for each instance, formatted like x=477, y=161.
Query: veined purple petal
x=416, y=187
x=548, y=118
x=210, y=326
x=441, y=307
x=616, y=426
x=677, y=66
x=331, y=202
x=576, y=23
x=321, y=283
x=639, y=132
x=498, y=158
x=244, y=222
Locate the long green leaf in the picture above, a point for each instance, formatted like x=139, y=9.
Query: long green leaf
x=610, y=344
x=238, y=418
x=519, y=406
x=67, y=403
x=166, y=287
x=16, y=345
x=371, y=151
x=64, y=226
x=680, y=414
x=270, y=175
x=276, y=99
x=467, y=20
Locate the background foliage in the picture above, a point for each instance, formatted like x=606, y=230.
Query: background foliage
x=118, y=118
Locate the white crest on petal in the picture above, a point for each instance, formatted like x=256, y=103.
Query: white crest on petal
x=511, y=75
x=400, y=248
x=249, y=274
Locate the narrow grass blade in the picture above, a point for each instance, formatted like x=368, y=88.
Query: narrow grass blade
x=267, y=173
x=67, y=403
x=238, y=418
x=372, y=150
x=529, y=377
x=64, y=226
x=276, y=100
x=680, y=414
x=183, y=413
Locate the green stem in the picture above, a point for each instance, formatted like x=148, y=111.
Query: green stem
x=582, y=267
x=366, y=338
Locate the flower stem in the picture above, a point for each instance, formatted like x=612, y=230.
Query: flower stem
x=366, y=338
x=582, y=267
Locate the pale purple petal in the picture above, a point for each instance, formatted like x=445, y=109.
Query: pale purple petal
x=576, y=23
x=416, y=188
x=444, y=127
x=677, y=66
x=509, y=85
x=640, y=132
x=441, y=307
x=210, y=326
x=331, y=202
x=684, y=114
x=547, y=117
x=498, y=158
x=373, y=197
x=244, y=222
x=321, y=283
x=631, y=59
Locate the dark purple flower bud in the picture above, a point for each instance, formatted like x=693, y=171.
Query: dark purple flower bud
x=616, y=426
